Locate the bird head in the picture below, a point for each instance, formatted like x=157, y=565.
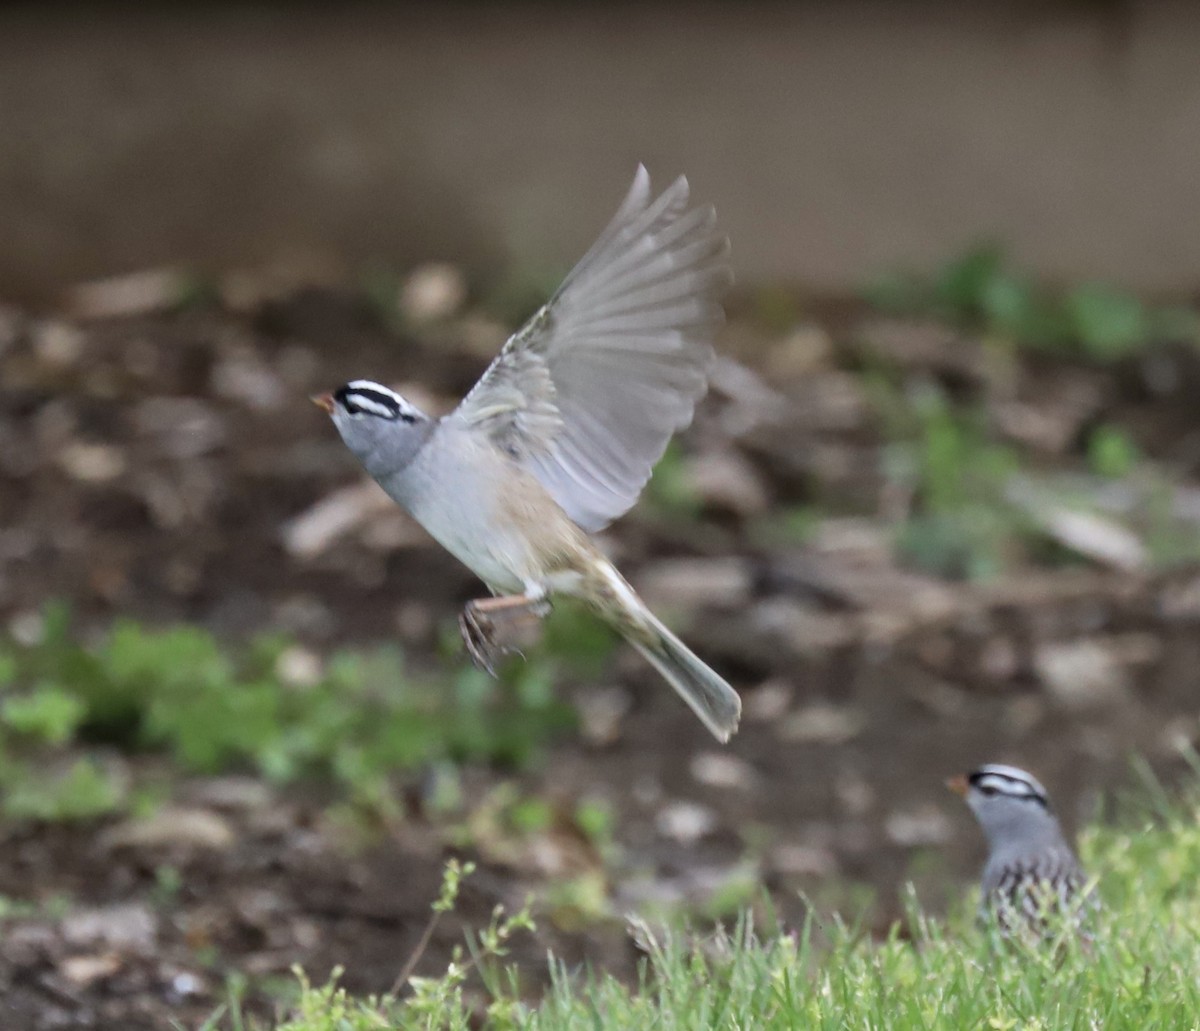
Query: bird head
x=1009, y=803
x=382, y=429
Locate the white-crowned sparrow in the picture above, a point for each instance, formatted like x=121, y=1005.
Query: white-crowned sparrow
x=559, y=436
x=1031, y=870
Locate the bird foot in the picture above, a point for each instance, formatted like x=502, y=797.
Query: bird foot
x=492, y=628
x=479, y=638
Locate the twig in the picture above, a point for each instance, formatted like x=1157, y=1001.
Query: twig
x=415, y=956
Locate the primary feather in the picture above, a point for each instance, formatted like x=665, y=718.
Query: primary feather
x=587, y=394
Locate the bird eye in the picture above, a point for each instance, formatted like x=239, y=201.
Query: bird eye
x=362, y=401
x=988, y=789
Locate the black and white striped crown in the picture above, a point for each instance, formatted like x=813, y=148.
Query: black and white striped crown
x=362, y=397
x=998, y=779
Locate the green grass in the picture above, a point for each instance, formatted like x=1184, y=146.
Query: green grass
x=1138, y=972
x=353, y=718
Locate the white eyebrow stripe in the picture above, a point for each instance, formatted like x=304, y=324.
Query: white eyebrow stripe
x=1009, y=785
x=993, y=784
x=371, y=385
x=360, y=390
x=367, y=404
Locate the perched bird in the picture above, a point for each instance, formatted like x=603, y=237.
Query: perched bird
x=559, y=436
x=1031, y=870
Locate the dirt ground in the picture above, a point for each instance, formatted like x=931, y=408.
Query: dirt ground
x=165, y=464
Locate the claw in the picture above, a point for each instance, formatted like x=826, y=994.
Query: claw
x=496, y=627
x=477, y=635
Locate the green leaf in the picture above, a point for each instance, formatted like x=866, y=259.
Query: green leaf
x=1109, y=325
x=1111, y=452
x=596, y=819
x=48, y=714
x=1007, y=304
x=530, y=815
x=8, y=669
x=85, y=791
x=966, y=282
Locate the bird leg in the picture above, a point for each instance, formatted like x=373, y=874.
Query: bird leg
x=494, y=627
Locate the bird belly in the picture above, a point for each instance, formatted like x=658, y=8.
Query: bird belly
x=455, y=501
x=497, y=520
x=477, y=542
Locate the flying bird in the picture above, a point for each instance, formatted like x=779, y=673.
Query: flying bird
x=560, y=434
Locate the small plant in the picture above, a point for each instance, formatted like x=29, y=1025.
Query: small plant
x=596, y=820
x=669, y=494
x=1111, y=452
x=979, y=291
x=1136, y=971
x=84, y=789
x=942, y=460
x=418, y=1002
x=365, y=716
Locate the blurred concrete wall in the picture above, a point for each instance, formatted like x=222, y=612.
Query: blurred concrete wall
x=836, y=139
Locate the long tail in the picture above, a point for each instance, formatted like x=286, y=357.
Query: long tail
x=710, y=697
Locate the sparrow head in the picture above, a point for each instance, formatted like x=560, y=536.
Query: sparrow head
x=382, y=429
x=1009, y=803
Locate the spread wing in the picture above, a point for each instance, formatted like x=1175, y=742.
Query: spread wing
x=589, y=391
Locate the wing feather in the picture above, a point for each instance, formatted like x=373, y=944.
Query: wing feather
x=587, y=393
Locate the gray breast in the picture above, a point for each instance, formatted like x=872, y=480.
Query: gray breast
x=1029, y=890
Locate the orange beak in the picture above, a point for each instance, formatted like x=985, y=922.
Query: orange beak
x=958, y=784
x=323, y=401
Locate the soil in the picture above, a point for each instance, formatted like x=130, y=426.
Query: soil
x=155, y=463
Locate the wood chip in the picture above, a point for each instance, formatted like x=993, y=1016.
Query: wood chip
x=83, y=971
x=335, y=515
x=135, y=293
x=173, y=827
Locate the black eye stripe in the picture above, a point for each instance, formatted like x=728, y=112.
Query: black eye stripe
x=365, y=401
x=989, y=783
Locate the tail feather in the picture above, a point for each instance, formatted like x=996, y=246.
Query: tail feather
x=709, y=696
